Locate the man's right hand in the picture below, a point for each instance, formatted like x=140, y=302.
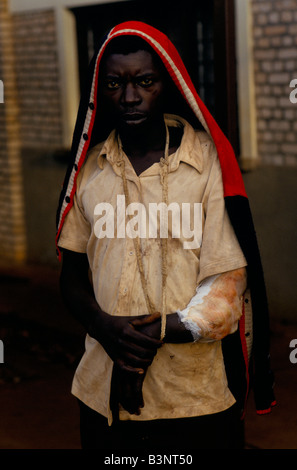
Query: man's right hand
x=132, y=353
x=130, y=349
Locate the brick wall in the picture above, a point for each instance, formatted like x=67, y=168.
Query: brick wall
x=38, y=79
x=12, y=230
x=30, y=119
x=275, y=56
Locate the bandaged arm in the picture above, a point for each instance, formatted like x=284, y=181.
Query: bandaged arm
x=215, y=309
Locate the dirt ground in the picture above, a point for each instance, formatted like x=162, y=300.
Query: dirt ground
x=42, y=345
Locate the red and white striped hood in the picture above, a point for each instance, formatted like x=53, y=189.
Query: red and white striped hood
x=233, y=183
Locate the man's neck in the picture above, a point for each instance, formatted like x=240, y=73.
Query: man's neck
x=139, y=142
x=146, y=148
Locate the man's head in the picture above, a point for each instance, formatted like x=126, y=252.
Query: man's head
x=132, y=83
x=169, y=100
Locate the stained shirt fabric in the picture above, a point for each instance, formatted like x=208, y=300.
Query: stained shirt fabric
x=184, y=380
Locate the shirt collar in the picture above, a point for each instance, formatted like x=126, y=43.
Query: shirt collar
x=189, y=151
x=109, y=150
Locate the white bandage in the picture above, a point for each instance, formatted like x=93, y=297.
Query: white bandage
x=215, y=309
x=201, y=291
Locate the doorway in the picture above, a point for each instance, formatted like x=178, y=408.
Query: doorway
x=203, y=33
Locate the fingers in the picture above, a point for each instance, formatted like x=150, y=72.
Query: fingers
x=126, y=345
x=141, y=342
x=138, y=334
x=135, y=358
x=136, y=348
x=146, y=319
x=129, y=390
x=123, y=366
x=139, y=347
x=150, y=326
x=131, y=397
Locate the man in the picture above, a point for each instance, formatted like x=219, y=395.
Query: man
x=155, y=296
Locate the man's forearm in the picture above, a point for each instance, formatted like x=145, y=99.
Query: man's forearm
x=209, y=319
x=214, y=311
x=175, y=332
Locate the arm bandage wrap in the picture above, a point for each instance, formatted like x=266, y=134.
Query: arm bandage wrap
x=215, y=309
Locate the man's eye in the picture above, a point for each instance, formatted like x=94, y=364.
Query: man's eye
x=112, y=84
x=145, y=82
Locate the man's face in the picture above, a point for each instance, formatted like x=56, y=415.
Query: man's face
x=132, y=87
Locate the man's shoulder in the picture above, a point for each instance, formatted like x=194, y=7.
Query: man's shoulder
x=91, y=165
x=92, y=157
x=207, y=146
x=94, y=152
x=204, y=138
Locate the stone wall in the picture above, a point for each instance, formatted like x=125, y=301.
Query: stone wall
x=38, y=79
x=12, y=230
x=275, y=64
x=30, y=120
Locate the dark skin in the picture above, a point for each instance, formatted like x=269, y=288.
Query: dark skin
x=133, y=91
x=132, y=88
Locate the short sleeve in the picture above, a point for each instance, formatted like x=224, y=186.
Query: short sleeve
x=220, y=249
x=76, y=229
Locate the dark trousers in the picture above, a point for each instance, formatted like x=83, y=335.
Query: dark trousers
x=216, y=431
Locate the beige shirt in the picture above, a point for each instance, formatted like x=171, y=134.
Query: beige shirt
x=184, y=379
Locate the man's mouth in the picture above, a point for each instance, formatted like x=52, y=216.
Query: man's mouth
x=133, y=117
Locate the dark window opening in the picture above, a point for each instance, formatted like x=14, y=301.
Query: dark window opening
x=203, y=33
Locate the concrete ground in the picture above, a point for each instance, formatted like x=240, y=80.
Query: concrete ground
x=42, y=345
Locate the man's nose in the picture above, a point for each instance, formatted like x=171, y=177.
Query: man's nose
x=130, y=94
